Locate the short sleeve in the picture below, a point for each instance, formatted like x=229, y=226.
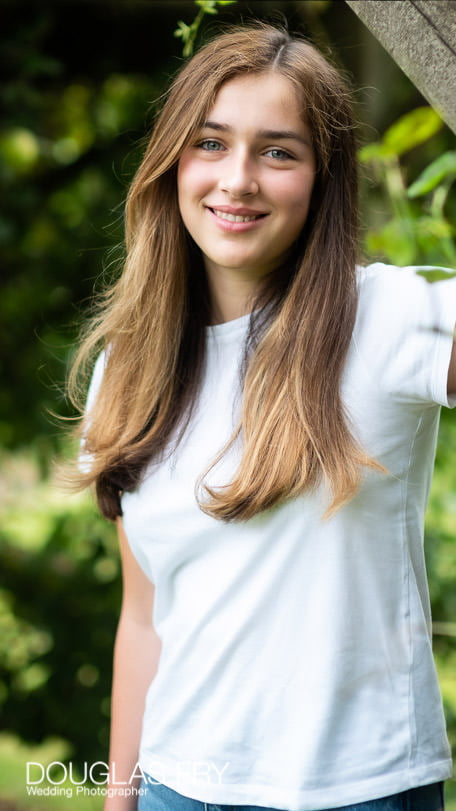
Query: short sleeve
x=95, y=383
x=405, y=331
x=85, y=458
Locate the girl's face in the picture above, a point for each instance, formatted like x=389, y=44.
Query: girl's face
x=245, y=183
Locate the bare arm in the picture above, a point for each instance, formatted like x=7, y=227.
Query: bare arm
x=136, y=653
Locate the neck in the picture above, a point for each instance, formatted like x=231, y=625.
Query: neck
x=231, y=297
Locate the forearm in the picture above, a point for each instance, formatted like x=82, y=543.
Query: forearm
x=136, y=654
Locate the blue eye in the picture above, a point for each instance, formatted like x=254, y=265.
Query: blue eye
x=279, y=154
x=209, y=145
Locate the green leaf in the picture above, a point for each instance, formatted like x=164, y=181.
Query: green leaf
x=394, y=241
x=437, y=227
x=432, y=175
x=208, y=6
x=182, y=30
x=432, y=274
x=372, y=152
x=412, y=129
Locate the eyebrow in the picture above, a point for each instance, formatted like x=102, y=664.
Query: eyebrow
x=274, y=135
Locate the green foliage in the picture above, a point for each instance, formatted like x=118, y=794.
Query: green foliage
x=440, y=172
x=188, y=33
x=69, y=144
x=416, y=233
x=59, y=604
x=409, y=131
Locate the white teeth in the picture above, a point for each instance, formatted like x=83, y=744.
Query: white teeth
x=224, y=215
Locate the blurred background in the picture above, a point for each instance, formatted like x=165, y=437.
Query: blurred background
x=79, y=82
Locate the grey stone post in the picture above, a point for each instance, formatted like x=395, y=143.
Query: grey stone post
x=420, y=35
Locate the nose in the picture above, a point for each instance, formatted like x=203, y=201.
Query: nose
x=239, y=177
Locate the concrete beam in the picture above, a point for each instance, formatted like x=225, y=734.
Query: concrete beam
x=420, y=35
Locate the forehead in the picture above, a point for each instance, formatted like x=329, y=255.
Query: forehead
x=268, y=98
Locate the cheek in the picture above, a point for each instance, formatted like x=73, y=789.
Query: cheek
x=193, y=179
x=183, y=176
x=295, y=195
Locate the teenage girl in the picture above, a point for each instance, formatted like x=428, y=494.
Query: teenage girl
x=261, y=425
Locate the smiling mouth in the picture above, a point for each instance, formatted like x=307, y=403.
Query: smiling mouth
x=225, y=215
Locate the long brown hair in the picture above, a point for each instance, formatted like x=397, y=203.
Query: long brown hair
x=152, y=321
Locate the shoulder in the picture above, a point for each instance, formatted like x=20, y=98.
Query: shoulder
x=407, y=294
x=381, y=278
x=418, y=276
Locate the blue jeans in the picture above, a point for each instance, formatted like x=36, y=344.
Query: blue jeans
x=157, y=797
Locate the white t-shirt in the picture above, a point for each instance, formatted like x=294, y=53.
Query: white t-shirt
x=296, y=669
